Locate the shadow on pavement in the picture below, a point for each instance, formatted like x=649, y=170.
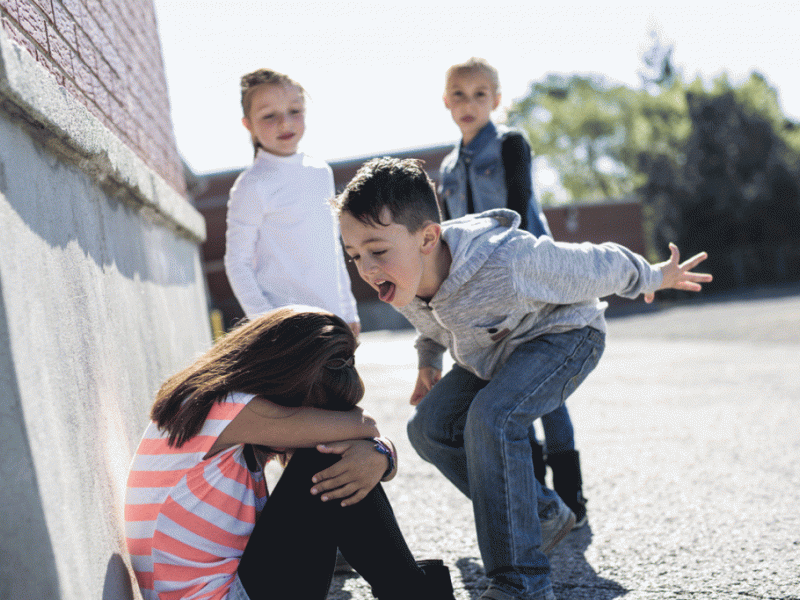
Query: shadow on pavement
x=572, y=575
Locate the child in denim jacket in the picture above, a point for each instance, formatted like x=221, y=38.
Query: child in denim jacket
x=491, y=168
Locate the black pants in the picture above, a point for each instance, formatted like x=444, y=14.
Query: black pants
x=292, y=550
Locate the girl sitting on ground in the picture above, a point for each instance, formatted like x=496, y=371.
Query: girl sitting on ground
x=199, y=520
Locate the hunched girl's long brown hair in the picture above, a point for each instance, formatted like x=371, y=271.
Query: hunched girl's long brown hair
x=292, y=356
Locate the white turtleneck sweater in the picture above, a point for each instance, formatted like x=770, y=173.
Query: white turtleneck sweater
x=282, y=239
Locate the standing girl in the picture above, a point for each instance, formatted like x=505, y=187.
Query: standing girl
x=198, y=520
x=282, y=241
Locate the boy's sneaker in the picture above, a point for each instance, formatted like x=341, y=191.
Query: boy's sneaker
x=557, y=526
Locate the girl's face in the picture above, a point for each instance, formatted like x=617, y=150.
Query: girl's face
x=276, y=118
x=471, y=98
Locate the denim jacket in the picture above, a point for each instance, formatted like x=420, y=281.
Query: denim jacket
x=481, y=160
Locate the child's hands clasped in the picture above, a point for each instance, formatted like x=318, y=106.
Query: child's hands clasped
x=678, y=275
x=360, y=469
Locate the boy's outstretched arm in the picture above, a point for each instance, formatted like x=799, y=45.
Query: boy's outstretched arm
x=679, y=275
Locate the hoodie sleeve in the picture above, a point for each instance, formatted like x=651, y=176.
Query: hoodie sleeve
x=564, y=273
x=429, y=352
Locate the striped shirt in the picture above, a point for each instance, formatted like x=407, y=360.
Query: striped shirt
x=187, y=520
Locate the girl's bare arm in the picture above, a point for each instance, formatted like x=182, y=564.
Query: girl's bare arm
x=267, y=424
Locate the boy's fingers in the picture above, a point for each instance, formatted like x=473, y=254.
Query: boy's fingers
x=700, y=277
x=694, y=261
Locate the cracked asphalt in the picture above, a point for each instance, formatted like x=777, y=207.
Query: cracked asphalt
x=689, y=434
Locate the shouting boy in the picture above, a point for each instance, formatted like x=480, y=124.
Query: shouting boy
x=522, y=319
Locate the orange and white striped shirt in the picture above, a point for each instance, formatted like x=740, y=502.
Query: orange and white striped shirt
x=187, y=520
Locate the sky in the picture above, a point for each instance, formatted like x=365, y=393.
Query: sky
x=374, y=72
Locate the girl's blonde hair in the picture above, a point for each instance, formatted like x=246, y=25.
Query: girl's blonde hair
x=292, y=356
x=474, y=65
x=250, y=81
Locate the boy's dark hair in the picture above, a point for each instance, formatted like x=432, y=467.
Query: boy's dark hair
x=292, y=356
x=400, y=185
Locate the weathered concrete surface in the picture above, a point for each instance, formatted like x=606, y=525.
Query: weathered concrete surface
x=689, y=432
x=102, y=295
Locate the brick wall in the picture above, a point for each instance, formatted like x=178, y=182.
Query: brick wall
x=108, y=56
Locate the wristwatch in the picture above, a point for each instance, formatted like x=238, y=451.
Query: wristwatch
x=386, y=450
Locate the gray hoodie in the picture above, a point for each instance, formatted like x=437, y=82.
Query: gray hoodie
x=506, y=287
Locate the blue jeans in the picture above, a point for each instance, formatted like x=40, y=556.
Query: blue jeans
x=476, y=433
x=559, y=435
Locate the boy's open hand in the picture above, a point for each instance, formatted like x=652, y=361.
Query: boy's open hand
x=353, y=477
x=427, y=378
x=678, y=276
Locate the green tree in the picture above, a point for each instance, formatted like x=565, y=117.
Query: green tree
x=600, y=137
x=737, y=193
x=576, y=123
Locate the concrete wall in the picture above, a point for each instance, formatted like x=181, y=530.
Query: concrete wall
x=101, y=297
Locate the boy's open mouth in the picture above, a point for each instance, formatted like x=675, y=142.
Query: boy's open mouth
x=385, y=290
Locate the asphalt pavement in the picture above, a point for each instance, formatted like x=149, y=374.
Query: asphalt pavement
x=689, y=434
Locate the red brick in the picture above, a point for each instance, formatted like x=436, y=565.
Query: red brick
x=33, y=22
x=61, y=52
x=10, y=6
x=102, y=98
x=46, y=6
x=84, y=78
x=93, y=31
x=69, y=84
x=104, y=74
x=111, y=55
x=119, y=117
x=98, y=12
x=86, y=50
x=53, y=69
x=74, y=7
x=65, y=24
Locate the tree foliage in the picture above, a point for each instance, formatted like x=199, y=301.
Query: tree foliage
x=717, y=166
x=737, y=195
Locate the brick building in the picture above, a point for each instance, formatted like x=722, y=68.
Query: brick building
x=107, y=56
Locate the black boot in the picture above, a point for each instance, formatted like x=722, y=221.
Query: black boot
x=568, y=483
x=539, y=465
x=440, y=585
x=436, y=584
